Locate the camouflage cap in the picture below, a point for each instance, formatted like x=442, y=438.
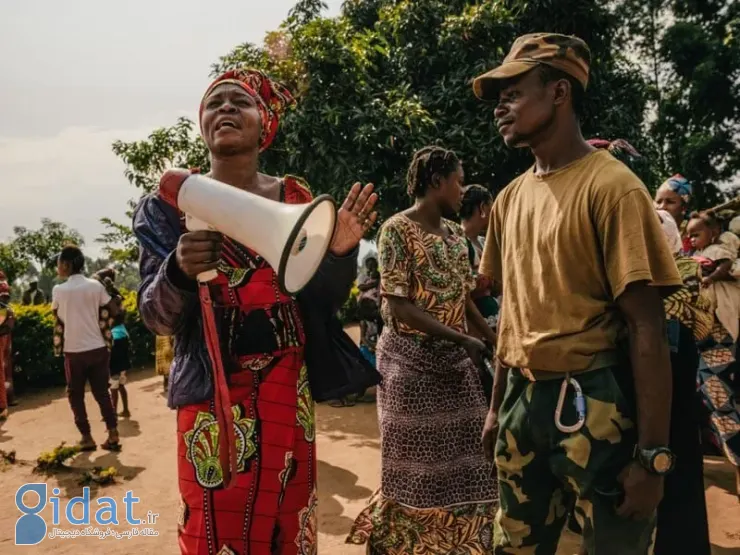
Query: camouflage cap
x=566, y=53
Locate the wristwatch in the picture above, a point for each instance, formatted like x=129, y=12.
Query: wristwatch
x=658, y=460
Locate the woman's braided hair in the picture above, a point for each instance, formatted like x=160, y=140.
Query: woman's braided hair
x=427, y=162
x=474, y=196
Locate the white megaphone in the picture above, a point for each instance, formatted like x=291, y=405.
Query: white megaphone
x=292, y=238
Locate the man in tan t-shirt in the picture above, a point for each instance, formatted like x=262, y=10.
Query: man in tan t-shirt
x=578, y=251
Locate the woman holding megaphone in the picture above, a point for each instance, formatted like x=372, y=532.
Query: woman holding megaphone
x=245, y=352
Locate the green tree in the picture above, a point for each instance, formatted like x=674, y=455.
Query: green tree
x=167, y=147
x=119, y=242
x=386, y=77
x=36, y=247
x=40, y=245
x=12, y=264
x=690, y=55
x=146, y=161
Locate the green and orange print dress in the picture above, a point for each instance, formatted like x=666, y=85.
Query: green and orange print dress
x=438, y=494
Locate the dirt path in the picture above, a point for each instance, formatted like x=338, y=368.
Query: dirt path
x=349, y=467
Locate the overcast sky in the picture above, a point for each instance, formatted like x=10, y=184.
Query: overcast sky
x=77, y=75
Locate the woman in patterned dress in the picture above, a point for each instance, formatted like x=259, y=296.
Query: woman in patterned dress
x=242, y=361
x=438, y=494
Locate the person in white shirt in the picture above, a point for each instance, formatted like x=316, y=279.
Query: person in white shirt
x=76, y=304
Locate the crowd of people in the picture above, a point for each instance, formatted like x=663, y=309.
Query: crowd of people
x=604, y=300
x=595, y=299
x=524, y=354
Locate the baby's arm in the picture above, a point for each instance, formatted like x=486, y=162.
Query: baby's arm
x=722, y=273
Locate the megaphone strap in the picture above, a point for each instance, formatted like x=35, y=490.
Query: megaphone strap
x=221, y=398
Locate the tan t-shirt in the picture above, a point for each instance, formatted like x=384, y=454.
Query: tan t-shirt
x=564, y=246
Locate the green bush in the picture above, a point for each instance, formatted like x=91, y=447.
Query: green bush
x=35, y=363
x=142, y=340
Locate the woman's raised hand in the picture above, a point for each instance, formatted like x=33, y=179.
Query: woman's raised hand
x=354, y=218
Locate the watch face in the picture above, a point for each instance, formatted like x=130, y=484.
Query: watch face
x=662, y=463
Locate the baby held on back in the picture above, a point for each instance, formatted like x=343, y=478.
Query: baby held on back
x=717, y=253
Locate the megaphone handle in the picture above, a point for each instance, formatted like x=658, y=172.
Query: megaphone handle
x=205, y=277
x=194, y=224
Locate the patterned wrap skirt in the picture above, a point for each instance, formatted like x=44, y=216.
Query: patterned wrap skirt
x=438, y=494
x=272, y=508
x=717, y=382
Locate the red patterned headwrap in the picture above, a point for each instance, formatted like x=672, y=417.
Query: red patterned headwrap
x=272, y=98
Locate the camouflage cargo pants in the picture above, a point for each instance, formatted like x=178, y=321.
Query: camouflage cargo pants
x=543, y=471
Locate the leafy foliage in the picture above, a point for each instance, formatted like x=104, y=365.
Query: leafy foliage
x=146, y=161
x=120, y=243
x=29, y=253
x=690, y=56
x=7, y=458
x=12, y=263
x=164, y=148
x=39, y=245
x=98, y=475
x=35, y=363
x=53, y=461
x=141, y=339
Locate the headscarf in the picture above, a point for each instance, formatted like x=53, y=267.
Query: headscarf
x=616, y=146
x=272, y=98
x=670, y=230
x=679, y=185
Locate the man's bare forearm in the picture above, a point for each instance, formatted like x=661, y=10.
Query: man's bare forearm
x=651, y=363
x=651, y=366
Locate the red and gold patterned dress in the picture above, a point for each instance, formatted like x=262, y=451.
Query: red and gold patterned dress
x=272, y=508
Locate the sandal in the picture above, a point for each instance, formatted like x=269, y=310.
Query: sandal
x=87, y=447
x=3, y=415
x=111, y=445
x=341, y=403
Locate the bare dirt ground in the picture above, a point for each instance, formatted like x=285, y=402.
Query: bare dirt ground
x=349, y=471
